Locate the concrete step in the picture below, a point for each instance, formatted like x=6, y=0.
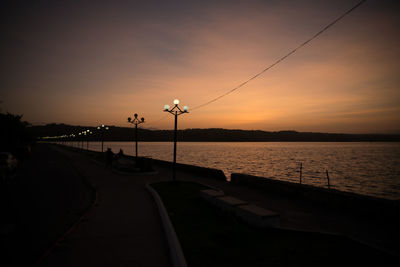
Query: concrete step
x=228, y=203
x=257, y=216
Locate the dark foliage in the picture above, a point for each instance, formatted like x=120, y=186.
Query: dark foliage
x=14, y=133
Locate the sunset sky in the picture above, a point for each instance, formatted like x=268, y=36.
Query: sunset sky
x=99, y=62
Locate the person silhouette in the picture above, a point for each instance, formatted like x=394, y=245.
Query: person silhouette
x=109, y=158
x=120, y=153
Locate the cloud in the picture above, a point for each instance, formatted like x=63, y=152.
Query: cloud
x=111, y=60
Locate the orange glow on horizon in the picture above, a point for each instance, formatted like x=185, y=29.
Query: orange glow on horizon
x=104, y=70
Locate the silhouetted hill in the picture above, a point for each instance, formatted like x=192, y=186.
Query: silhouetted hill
x=207, y=135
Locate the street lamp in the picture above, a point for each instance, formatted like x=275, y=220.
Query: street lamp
x=102, y=128
x=78, y=141
x=83, y=139
x=176, y=111
x=88, y=132
x=85, y=134
x=71, y=144
x=136, y=121
x=73, y=137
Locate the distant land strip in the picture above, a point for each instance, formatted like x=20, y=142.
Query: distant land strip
x=206, y=135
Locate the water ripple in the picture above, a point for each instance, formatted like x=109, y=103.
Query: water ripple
x=360, y=167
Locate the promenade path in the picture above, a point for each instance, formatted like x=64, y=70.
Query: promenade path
x=124, y=229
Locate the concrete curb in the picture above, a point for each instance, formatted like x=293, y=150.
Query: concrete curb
x=133, y=173
x=175, y=249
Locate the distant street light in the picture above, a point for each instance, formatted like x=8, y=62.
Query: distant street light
x=176, y=111
x=83, y=138
x=88, y=132
x=136, y=121
x=102, y=128
x=71, y=140
x=80, y=134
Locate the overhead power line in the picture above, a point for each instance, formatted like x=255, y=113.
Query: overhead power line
x=157, y=120
x=275, y=63
x=282, y=58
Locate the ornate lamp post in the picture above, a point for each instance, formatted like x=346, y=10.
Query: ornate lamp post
x=102, y=128
x=176, y=111
x=136, y=121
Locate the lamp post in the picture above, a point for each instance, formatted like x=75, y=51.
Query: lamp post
x=76, y=137
x=83, y=140
x=136, y=121
x=73, y=139
x=176, y=111
x=102, y=128
x=88, y=132
x=80, y=134
x=85, y=134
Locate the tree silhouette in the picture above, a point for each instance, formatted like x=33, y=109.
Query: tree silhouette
x=14, y=135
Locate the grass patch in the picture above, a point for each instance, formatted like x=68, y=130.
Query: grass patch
x=210, y=238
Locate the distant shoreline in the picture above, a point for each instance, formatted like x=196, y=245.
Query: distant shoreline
x=121, y=134
x=185, y=141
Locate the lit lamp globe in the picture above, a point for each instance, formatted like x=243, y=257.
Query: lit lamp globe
x=185, y=108
x=166, y=107
x=176, y=102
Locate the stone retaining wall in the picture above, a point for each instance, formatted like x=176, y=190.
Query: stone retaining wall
x=208, y=172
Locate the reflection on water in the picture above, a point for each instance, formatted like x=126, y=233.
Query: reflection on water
x=361, y=167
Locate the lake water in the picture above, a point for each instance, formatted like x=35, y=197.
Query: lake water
x=360, y=167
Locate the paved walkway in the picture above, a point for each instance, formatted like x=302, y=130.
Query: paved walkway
x=44, y=197
x=123, y=229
